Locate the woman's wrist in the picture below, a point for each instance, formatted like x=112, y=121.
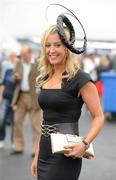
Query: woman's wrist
x=85, y=143
x=36, y=156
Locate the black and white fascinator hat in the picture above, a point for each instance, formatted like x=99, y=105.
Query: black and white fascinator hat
x=63, y=21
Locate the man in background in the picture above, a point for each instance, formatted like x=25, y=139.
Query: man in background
x=25, y=101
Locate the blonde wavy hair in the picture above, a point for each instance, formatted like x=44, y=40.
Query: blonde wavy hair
x=45, y=69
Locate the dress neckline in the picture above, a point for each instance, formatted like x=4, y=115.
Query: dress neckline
x=62, y=82
x=54, y=88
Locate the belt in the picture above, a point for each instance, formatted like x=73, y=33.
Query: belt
x=65, y=128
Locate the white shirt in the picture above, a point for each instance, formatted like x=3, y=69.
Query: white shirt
x=25, y=77
x=89, y=66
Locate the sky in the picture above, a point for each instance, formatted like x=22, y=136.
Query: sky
x=27, y=17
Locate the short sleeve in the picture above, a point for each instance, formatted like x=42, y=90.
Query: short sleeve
x=74, y=85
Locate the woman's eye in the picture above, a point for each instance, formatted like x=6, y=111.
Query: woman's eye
x=58, y=45
x=47, y=45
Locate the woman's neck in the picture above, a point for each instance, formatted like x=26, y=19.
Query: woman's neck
x=59, y=70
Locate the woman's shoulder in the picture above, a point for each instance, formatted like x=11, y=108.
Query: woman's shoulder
x=78, y=81
x=81, y=78
x=81, y=75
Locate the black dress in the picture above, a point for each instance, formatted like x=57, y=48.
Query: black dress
x=60, y=106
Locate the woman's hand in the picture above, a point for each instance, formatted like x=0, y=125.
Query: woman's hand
x=34, y=167
x=77, y=150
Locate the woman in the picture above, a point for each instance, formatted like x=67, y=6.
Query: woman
x=64, y=89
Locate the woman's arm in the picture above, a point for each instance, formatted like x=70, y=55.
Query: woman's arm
x=34, y=162
x=91, y=98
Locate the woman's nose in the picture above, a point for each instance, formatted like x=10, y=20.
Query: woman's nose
x=52, y=48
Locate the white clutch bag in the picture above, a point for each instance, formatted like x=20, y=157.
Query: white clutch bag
x=58, y=141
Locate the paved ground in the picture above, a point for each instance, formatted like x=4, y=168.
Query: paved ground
x=102, y=167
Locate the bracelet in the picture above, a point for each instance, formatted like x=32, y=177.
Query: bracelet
x=86, y=143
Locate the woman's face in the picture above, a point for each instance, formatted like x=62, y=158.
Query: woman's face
x=55, y=50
